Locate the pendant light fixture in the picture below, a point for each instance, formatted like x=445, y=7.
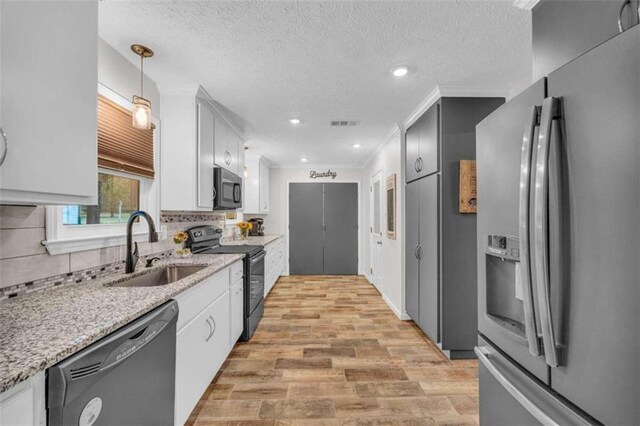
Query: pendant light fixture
x=141, y=111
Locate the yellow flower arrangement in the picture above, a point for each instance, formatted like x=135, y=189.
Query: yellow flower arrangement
x=180, y=237
x=245, y=225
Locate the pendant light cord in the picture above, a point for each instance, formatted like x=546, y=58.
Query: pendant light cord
x=142, y=75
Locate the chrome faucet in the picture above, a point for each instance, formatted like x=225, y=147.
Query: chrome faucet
x=133, y=256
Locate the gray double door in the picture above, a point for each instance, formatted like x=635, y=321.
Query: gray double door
x=323, y=228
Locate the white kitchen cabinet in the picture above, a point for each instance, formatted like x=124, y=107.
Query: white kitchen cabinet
x=49, y=88
x=229, y=146
x=206, y=135
x=195, y=138
x=24, y=404
x=256, y=185
x=237, y=311
x=274, y=263
x=201, y=348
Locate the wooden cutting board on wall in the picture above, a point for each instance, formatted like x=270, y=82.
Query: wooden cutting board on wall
x=468, y=199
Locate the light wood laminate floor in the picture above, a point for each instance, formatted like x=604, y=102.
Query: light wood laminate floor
x=330, y=352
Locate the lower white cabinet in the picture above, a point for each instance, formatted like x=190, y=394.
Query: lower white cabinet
x=237, y=311
x=207, y=330
x=24, y=404
x=274, y=263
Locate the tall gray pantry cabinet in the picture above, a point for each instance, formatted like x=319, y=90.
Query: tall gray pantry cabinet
x=440, y=270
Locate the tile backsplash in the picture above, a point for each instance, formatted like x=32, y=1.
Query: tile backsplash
x=26, y=266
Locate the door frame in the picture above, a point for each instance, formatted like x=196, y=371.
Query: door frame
x=286, y=220
x=377, y=175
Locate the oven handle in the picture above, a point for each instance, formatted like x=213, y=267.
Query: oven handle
x=258, y=257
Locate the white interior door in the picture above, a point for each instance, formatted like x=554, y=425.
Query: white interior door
x=375, y=230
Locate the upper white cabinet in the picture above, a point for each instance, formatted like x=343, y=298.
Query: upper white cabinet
x=229, y=146
x=49, y=70
x=256, y=185
x=195, y=136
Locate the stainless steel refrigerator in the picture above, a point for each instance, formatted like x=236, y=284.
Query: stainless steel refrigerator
x=558, y=171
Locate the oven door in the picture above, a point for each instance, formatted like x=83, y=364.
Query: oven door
x=254, y=282
x=228, y=187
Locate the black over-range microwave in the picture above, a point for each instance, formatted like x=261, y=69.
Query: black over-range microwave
x=227, y=189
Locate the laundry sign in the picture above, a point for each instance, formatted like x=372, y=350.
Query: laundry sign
x=317, y=175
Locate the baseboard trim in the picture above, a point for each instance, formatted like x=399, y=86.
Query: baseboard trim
x=402, y=315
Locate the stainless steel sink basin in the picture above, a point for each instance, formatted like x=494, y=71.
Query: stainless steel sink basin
x=164, y=276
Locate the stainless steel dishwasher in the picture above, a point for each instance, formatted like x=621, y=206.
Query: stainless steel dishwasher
x=126, y=378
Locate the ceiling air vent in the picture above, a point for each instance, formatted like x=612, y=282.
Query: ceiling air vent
x=85, y=371
x=344, y=123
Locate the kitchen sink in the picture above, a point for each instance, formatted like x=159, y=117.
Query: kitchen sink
x=164, y=276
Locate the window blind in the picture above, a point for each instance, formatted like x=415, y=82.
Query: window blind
x=120, y=145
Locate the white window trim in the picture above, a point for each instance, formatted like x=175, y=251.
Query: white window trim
x=73, y=238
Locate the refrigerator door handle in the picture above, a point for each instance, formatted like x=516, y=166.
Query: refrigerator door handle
x=524, y=211
x=483, y=355
x=541, y=230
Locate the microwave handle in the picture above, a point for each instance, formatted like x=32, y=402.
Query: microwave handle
x=237, y=196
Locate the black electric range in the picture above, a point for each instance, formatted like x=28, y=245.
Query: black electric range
x=206, y=240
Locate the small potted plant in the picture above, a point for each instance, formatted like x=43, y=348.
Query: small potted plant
x=179, y=238
x=245, y=227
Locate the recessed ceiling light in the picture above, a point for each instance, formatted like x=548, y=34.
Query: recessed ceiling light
x=356, y=145
x=400, y=71
x=294, y=120
x=303, y=159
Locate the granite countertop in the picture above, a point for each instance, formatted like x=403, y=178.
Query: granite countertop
x=259, y=241
x=42, y=328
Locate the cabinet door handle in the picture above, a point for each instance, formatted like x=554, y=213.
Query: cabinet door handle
x=215, y=193
x=415, y=251
x=5, y=140
x=420, y=252
x=212, y=326
x=227, y=158
x=420, y=164
x=210, y=333
x=415, y=166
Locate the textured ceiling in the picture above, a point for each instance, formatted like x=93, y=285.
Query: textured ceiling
x=269, y=61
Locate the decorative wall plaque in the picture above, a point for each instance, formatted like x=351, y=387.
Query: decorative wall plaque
x=468, y=187
x=328, y=174
x=391, y=206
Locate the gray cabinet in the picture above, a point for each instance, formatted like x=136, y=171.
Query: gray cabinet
x=422, y=145
x=422, y=269
x=412, y=243
x=564, y=30
x=440, y=265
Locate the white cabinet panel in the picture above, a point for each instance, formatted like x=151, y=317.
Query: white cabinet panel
x=49, y=71
x=206, y=130
x=237, y=311
x=257, y=185
x=197, y=298
x=274, y=263
x=202, y=347
x=24, y=404
x=264, y=187
x=228, y=148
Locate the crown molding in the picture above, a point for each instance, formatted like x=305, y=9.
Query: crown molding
x=317, y=166
x=525, y=4
x=442, y=91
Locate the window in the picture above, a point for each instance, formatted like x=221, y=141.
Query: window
x=118, y=197
x=126, y=159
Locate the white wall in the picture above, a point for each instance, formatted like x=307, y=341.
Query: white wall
x=389, y=160
x=275, y=221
